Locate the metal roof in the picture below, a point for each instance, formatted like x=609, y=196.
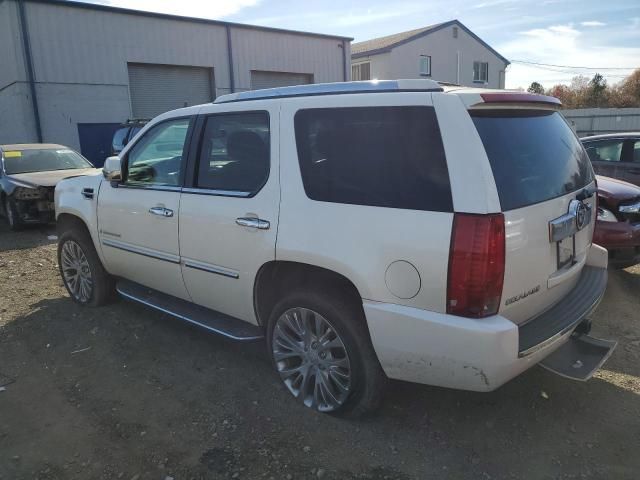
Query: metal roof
x=337, y=88
x=386, y=44
x=167, y=16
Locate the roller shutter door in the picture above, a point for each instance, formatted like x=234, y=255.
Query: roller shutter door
x=262, y=79
x=155, y=89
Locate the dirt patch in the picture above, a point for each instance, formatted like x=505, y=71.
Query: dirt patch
x=148, y=397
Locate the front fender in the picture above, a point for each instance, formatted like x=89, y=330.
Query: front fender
x=69, y=200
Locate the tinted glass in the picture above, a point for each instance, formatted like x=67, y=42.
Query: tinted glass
x=234, y=154
x=119, y=139
x=636, y=152
x=604, y=151
x=381, y=156
x=25, y=161
x=156, y=158
x=534, y=156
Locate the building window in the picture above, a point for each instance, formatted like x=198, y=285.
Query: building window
x=455, y=32
x=425, y=65
x=362, y=71
x=480, y=72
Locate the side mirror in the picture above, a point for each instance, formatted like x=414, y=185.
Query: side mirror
x=112, y=170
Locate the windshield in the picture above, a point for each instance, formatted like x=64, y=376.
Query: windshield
x=534, y=155
x=42, y=160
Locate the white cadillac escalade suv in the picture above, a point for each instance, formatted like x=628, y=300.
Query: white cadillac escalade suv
x=366, y=230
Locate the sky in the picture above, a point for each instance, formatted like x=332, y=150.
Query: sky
x=602, y=35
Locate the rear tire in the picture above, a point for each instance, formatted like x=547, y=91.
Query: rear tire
x=11, y=214
x=84, y=277
x=348, y=361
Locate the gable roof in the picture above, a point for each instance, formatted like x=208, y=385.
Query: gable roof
x=386, y=44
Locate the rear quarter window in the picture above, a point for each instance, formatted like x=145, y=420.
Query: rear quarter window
x=377, y=156
x=534, y=155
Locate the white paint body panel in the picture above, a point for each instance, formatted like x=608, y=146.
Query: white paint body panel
x=209, y=233
x=449, y=351
x=69, y=200
x=124, y=218
x=357, y=241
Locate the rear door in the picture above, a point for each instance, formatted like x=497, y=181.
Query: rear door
x=542, y=174
x=631, y=161
x=229, y=213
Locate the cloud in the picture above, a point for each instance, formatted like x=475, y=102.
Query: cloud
x=564, y=44
x=213, y=9
x=592, y=23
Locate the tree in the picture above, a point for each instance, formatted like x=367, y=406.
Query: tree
x=597, y=91
x=535, y=87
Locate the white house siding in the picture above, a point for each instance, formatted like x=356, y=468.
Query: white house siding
x=596, y=121
x=403, y=60
x=380, y=66
x=443, y=49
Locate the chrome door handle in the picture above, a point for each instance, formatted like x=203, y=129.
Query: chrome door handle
x=161, y=211
x=253, y=223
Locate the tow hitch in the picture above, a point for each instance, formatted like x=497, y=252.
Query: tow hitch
x=579, y=357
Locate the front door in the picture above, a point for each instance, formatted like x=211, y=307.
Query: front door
x=138, y=218
x=228, y=216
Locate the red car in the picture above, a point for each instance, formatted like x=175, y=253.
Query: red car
x=618, y=221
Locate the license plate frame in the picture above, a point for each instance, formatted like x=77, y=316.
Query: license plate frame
x=566, y=252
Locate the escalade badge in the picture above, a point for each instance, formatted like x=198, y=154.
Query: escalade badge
x=511, y=300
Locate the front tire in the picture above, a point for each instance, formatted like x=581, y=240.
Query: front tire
x=84, y=277
x=12, y=216
x=320, y=347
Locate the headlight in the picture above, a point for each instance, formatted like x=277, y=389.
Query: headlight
x=605, y=215
x=25, y=193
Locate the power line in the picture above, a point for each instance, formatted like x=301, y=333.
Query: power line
x=569, y=66
x=569, y=72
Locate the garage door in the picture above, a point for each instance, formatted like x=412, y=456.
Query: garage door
x=155, y=89
x=261, y=79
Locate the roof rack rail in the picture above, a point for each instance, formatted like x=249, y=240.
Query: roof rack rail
x=410, y=85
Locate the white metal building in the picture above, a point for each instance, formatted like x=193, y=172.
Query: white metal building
x=597, y=121
x=447, y=52
x=71, y=72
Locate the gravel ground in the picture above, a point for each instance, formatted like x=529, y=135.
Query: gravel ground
x=123, y=392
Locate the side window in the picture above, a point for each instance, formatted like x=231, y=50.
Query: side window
x=157, y=157
x=480, y=72
x=361, y=71
x=425, y=65
x=234, y=153
x=635, y=154
x=605, y=151
x=382, y=156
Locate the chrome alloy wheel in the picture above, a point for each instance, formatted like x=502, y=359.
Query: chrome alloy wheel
x=76, y=271
x=311, y=359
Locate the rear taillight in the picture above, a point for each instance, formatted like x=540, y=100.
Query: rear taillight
x=476, y=265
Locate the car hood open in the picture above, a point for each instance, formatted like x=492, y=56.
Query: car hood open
x=47, y=179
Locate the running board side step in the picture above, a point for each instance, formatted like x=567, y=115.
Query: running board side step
x=211, y=320
x=580, y=357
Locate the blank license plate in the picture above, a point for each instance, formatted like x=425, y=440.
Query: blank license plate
x=566, y=251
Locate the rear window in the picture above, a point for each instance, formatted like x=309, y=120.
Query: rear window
x=381, y=156
x=534, y=155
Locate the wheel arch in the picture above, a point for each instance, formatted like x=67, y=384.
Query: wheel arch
x=277, y=277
